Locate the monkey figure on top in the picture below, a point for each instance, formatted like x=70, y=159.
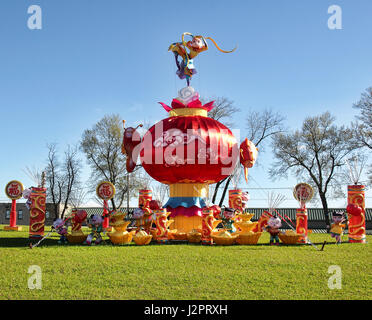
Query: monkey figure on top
x=188, y=51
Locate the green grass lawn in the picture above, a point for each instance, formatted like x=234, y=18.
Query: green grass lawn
x=183, y=271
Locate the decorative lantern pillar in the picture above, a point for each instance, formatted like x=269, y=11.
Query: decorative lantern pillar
x=106, y=191
x=303, y=193
x=301, y=224
x=162, y=223
x=357, y=221
x=262, y=222
x=144, y=199
x=209, y=223
x=37, y=212
x=235, y=200
x=13, y=190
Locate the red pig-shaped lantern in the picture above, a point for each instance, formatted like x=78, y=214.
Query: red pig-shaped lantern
x=131, y=140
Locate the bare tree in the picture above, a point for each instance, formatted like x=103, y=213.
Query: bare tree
x=62, y=178
x=315, y=153
x=161, y=192
x=102, y=148
x=223, y=110
x=260, y=125
x=362, y=128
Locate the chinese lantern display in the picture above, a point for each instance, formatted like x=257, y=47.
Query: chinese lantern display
x=209, y=223
x=144, y=201
x=188, y=151
x=303, y=193
x=105, y=191
x=262, y=222
x=356, y=213
x=37, y=212
x=161, y=233
x=13, y=190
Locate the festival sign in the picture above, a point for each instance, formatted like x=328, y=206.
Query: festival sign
x=14, y=190
x=303, y=193
x=105, y=190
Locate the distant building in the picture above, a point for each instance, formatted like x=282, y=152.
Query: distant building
x=23, y=214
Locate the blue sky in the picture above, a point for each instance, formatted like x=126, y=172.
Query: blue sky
x=97, y=57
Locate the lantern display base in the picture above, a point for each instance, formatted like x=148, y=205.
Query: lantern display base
x=357, y=240
x=162, y=241
x=186, y=224
x=9, y=228
x=207, y=242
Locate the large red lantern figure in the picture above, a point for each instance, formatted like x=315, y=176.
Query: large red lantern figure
x=188, y=151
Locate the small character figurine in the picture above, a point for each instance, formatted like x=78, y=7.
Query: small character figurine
x=245, y=199
x=97, y=228
x=227, y=217
x=59, y=226
x=337, y=227
x=138, y=216
x=272, y=227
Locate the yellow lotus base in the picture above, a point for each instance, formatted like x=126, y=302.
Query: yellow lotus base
x=289, y=239
x=76, y=237
x=143, y=240
x=224, y=238
x=194, y=236
x=186, y=224
x=121, y=237
x=9, y=228
x=178, y=235
x=248, y=238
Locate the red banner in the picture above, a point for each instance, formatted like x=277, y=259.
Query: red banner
x=301, y=224
x=357, y=218
x=37, y=212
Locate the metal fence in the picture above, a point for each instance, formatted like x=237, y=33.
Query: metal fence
x=316, y=218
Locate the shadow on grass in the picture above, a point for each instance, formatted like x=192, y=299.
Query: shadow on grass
x=52, y=241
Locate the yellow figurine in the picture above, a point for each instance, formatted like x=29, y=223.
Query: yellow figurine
x=337, y=228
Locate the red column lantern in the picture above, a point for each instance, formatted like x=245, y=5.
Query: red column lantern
x=301, y=224
x=303, y=193
x=37, y=212
x=356, y=213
